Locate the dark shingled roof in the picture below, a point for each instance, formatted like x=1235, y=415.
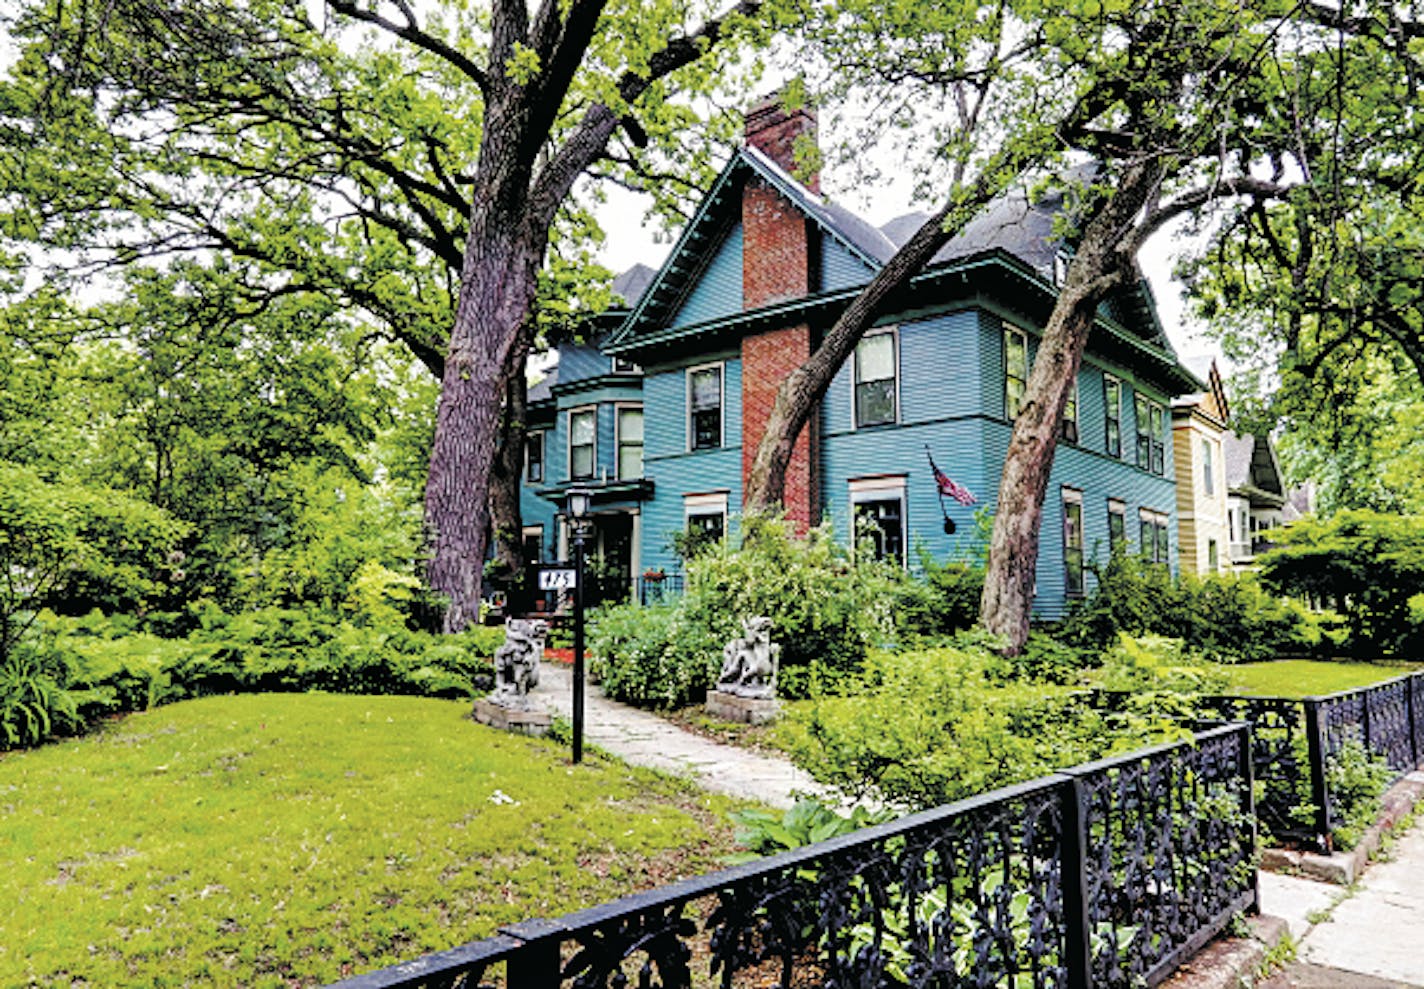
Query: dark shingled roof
x=842, y=224
x=544, y=389
x=1009, y=223
x=630, y=285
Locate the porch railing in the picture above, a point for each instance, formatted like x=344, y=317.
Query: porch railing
x=1105, y=875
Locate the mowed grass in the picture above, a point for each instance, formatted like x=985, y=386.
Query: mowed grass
x=292, y=839
x=1305, y=678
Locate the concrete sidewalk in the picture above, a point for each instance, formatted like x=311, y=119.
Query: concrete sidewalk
x=1371, y=936
x=647, y=740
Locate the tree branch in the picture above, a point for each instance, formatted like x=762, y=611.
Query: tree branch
x=411, y=32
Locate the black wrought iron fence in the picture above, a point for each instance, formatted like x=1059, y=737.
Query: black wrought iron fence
x=1101, y=876
x=1294, y=741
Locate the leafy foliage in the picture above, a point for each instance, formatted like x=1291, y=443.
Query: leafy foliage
x=62, y=542
x=652, y=656
x=1369, y=565
x=764, y=832
x=936, y=725
x=1230, y=618
x=68, y=672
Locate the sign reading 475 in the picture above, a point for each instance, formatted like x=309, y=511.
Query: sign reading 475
x=557, y=580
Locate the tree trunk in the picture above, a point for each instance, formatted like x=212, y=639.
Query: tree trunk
x=1104, y=258
x=506, y=520
x=800, y=393
x=497, y=291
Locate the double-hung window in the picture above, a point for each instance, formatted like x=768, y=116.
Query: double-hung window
x=1151, y=434
x=1069, y=426
x=630, y=442
x=704, y=407
x=1152, y=535
x=1159, y=439
x=583, y=438
x=1208, y=470
x=1117, y=523
x=534, y=455
x=1015, y=370
x=705, y=520
x=875, y=366
x=878, y=515
x=1073, y=541
x=1112, y=415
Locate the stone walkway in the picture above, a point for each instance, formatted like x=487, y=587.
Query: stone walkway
x=1371, y=938
x=647, y=740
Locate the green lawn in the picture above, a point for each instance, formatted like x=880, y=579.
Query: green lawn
x=290, y=839
x=1304, y=677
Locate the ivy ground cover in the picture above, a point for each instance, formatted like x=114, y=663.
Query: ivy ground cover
x=267, y=840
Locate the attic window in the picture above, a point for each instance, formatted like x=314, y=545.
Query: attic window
x=621, y=365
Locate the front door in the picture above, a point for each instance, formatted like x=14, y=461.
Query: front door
x=614, y=556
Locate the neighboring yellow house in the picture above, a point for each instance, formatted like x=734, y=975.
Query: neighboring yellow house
x=1199, y=423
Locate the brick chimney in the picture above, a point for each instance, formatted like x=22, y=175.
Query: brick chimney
x=778, y=261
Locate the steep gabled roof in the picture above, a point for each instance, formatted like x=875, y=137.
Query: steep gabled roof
x=1011, y=228
x=1252, y=467
x=719, y=211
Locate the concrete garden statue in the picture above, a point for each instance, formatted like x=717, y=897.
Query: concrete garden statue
x=750, y=661
x=516, y=672
x=516, y=662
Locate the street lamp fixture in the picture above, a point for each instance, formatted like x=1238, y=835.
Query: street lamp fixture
x=580, y=528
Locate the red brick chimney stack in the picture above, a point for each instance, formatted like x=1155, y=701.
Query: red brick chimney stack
x=773, y=132
x=776, y=266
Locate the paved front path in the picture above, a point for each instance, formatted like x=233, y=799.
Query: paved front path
x=647, y=740
x=1373, y=938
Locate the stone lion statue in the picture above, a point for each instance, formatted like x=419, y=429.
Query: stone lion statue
x=750, y=662
x=516, y=662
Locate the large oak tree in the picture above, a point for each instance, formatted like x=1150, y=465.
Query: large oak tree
x=450, y=146
x=1176, y=106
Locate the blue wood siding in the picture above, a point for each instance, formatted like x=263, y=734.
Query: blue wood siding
x=676, y=471
x=718, y=289
x=840, y=268
x=952, y=395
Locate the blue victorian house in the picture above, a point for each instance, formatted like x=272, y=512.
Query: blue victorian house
x=662, y=419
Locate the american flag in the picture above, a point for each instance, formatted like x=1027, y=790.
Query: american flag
x=947, y=486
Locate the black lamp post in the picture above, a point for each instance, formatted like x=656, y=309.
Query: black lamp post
x=580, y=528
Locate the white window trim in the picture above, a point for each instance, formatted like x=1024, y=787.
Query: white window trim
x=569, y=422
x=706, y=503
x=1004, y=356
x=1074, y=496
x=619, y=407
x=543, y=457
x=621, y=365
x=721, y=367
x=882, y=487
x=1110, y=380
x=533, y=530
x=894, y=330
